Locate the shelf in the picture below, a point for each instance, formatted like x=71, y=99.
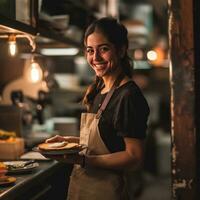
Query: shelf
x=13, y=26
x=57, y=37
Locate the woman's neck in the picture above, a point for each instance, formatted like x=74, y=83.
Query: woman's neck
x=109, y=80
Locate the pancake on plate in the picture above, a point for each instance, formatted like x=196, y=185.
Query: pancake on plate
x=58, y=146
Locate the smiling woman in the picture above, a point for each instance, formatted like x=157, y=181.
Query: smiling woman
x=114, y=131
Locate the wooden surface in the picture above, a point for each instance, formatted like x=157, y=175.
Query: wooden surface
x=182, y=99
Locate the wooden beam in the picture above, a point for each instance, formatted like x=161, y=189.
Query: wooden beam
x=182, y=99
x=197, y=85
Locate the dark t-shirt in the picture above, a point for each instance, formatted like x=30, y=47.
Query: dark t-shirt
x=125, y=116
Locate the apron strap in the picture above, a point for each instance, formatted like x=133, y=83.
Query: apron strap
x=109, y=95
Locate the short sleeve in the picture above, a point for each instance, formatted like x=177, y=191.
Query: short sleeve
x=131, y=115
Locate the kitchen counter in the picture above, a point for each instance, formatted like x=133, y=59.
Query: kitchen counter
x=48, y=181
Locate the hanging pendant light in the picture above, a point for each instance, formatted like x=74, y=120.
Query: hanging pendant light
x=12, y=46
x=34, y=72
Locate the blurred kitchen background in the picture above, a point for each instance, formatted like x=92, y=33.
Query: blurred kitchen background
x=43, y=73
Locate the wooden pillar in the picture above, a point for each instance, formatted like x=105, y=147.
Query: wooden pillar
x=197, y=86
x=182, y=83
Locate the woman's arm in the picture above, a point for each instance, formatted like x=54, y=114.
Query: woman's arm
x=131, y=157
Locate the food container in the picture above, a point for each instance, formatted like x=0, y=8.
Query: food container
x=11, y=149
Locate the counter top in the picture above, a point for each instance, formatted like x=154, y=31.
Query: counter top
x=50, y=178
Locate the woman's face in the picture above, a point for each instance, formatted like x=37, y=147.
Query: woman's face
x=101, y=54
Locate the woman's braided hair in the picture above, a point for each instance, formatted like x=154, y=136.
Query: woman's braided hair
x=116, y=34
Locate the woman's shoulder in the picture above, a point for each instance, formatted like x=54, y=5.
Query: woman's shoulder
x=130, y=93
x=129, y=88
x=130, y=97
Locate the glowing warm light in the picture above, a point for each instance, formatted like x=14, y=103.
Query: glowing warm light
x=34, y=72
x=59, y=51
x=156, y=56
x=138, y=54
x=12, y=45
x=152, y=55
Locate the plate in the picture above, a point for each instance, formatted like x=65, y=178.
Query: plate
x=8, y=180
x=18, y=166
x=59, y=151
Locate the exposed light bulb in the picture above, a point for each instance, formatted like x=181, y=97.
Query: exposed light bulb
x=34, y=72
x=152, y=55
x=156, y=56
x=12, y=46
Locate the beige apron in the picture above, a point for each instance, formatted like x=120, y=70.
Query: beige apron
x=91, y=183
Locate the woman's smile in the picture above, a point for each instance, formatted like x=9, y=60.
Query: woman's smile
x=101, y=69
x=100, y=66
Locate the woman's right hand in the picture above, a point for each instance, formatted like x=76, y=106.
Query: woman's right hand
x=59, y=138
x=56, y=138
